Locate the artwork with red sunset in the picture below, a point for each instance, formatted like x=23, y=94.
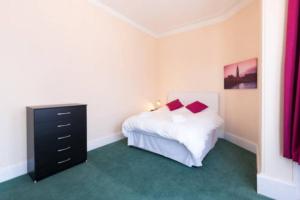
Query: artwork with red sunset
x=241, y=75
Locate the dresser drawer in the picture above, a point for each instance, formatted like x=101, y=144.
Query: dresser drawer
x=57, y=156
x=60, y=163
x=47, y=148
x=57, y=114
x=60, y=130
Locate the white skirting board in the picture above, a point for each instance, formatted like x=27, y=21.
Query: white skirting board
x=241, y=142
x=297, y=178
x=102, y=141
x=277, y=189
x=13, y=171
x=19, y=169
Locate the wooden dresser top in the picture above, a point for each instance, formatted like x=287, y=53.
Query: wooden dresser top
x=55, y=106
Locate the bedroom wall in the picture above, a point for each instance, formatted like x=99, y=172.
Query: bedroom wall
x=194, y=61
x=74, y=51
x=69, y=51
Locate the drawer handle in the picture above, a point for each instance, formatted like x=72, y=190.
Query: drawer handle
x=64, y=113
x=63, y=125
x=64, y=161
x=63, y=137
x=64, y=149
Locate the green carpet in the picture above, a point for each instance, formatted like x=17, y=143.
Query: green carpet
x=117, y=171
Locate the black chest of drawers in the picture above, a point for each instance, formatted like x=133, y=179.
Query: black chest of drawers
x=56, y=138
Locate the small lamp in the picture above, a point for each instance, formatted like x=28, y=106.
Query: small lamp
x=150, y=106
x=154, y=106
x=157, y=104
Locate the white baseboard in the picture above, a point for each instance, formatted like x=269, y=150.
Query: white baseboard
x=107, y=139
x=296, y=174
x=12, y=171
x=220, y=132
x=241, y=142
x=276, y=189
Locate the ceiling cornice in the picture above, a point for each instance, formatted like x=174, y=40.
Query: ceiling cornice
x=211, y=21
x=123, y=18
x=180, y=29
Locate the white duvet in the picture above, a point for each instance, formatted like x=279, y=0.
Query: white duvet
x=192, y=130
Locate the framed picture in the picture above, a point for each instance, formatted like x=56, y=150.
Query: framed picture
x=241, y=75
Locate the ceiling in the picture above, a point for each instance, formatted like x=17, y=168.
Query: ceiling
x=160, y=17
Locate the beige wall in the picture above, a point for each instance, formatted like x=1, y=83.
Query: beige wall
x=70, y=51
x=194, y=61
x=76, y=52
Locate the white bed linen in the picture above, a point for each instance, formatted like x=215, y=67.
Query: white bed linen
x=170, y=148
x=191, y=130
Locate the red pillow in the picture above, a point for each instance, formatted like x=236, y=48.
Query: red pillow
x=196, y=107
x=174, y=105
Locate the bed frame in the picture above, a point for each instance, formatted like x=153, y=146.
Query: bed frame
x=171, y=148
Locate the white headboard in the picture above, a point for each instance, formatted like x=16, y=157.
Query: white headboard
x=211, y=99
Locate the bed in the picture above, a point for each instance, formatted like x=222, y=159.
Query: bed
x=179, y=135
